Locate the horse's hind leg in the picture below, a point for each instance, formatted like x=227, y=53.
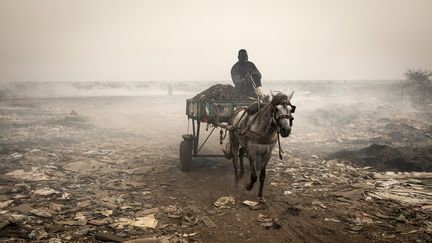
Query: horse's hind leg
x=253, y=177
x=242, y=153
x=261, y=187
x=234, y=150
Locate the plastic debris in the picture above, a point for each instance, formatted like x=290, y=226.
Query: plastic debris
x=225, y=202
x=250, y=203
x=46, y=191
x=5, y=203
x=148, y=221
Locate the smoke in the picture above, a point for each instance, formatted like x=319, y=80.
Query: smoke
x=331, y=116
x=92, y=89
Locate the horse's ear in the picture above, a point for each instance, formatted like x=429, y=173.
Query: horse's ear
x=272, y=94
x=290, y=96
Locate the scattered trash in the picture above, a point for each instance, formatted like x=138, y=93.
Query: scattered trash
x=109, y=205
x=147, y=212
x=332, y=220
x=354, y=195
x=83, y=167
x=72, y=222
x=267, y=222
x=250, y=203
x=55, y=240
x=17, y=155
x=148, y=221
x=4, y=224
x=402, y=219
x=53, y=228
x=100, y=222
x=55, y=207
x=106, y=213
x=318, y=203
x=292, y=210
x=208, y=222
x=84, y=204
x=150, y=240
x=5, y=203
x=100, y=152
x=107, y=237
x=362, y=218
x=83, y=183
x=65, y=196
x=46, y=191
x=428, y=227
x=41, y=213
x=38, y=234
x=80, y=217
x=33, y=175
x=224, y=202
x=356, y=228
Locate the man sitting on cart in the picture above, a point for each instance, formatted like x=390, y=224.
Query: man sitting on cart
x=246, y=77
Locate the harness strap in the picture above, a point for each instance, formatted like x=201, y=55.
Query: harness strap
x=280, y=147
x=253, y=121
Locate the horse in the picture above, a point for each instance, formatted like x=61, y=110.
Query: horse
x=256, y=135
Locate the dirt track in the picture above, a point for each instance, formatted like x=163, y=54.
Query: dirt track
x=129, y=147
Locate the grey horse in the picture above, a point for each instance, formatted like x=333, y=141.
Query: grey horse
x=256, y=135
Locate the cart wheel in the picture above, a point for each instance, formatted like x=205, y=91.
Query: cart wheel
x=186, y=155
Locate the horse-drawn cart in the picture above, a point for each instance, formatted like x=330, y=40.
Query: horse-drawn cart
x=213, y=114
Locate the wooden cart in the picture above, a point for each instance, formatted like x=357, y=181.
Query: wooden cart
x=213, y=113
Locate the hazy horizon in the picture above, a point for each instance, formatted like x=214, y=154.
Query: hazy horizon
x=191, y=40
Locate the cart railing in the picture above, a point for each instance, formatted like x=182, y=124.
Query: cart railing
x=215, y=114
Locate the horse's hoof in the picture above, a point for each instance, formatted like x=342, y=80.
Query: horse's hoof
x=261, y=200
x=241, y=173
x=249, y=187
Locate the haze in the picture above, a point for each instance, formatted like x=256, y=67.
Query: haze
x=53, y=40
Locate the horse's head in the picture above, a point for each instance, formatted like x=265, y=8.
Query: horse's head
x=282, y=113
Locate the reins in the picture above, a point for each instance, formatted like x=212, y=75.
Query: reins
x=280, y=147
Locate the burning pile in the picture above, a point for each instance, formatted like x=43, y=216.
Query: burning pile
x=221, y=92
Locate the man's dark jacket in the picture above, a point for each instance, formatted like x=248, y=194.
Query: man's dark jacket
x=241, y=81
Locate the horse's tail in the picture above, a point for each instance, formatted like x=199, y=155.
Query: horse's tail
x=228, y=151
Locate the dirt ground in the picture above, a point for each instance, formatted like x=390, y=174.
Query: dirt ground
x=105, y=169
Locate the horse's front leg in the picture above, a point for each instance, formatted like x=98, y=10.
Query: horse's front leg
x=264, y=161
x=253, y=176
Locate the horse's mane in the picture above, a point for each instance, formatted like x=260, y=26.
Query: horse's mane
x=279, y=98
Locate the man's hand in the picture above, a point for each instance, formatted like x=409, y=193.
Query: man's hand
x=258, y=91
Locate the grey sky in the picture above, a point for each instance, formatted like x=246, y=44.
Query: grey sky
x=49, y=40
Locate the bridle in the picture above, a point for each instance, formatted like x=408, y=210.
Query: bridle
x=275, y=125
x=288, y=116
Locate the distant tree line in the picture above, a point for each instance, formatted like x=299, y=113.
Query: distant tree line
x=418, y=76
x=418, y=87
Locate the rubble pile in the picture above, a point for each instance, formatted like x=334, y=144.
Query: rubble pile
x=383, y=157
x=221, y=92
x=369, y=136
x=365, y=200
